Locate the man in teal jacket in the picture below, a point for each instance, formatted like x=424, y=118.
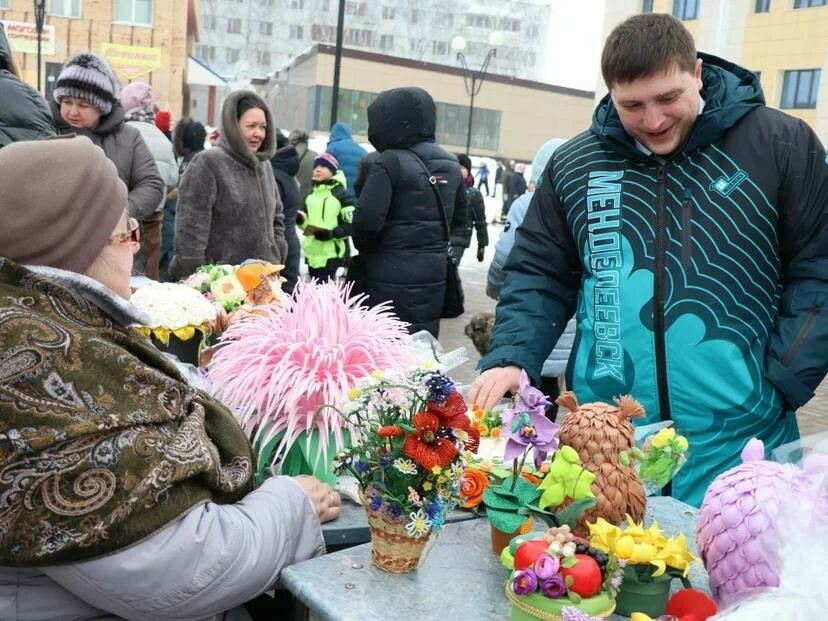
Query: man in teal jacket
x=687, y=230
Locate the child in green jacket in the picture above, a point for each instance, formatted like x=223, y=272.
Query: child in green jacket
x=326, y=221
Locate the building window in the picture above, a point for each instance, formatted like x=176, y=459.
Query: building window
x=63, y=8
x=799, y=88
x=355, y=8
x=296, y=32
x=323, y=33
x=762, y=6
x=5, y=4
x=356, y=36
x=297, y=4
x=134, y=12
x=416, y=16
x=439, y=48
x=326, y=5
x=206, y=52
x=647, y=6
x=262, y=58
x=686, y=9
x=386, y=42
x=510, y=25
x=453, y=123
x=808, y=4
x=389, y=12
x=234, y=25
x=232, y=54
x=476, y=20
x=266, y=28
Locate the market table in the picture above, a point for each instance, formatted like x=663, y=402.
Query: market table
x=351, y=527
x=459, y=578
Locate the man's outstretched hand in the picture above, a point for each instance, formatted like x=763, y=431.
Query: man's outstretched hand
x=491, y=386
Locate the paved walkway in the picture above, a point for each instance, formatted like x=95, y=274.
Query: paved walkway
x=813, y=417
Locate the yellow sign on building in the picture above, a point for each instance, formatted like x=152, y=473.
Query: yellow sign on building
x=132, y=61
x=23, y=37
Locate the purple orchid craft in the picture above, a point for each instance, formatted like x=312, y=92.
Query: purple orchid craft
x=527, y=426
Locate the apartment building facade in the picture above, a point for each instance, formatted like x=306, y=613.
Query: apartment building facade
x=145, y=40
x=249, y=39
x=784, y=41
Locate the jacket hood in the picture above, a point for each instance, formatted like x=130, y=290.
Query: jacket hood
x=543, y=156
x=340, y=131
x=231, y=139
x=400, y=118
x=729, y=92
x=108, y=124
x=5, y=50
x=286, y=159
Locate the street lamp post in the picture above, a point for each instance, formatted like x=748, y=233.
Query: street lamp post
x=40, y=12
x=473, y=80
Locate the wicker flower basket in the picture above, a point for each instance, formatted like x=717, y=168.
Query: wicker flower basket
x=392, y=548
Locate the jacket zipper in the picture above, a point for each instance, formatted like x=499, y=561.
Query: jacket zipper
x=813, y=313
x=658, y=295
x=686, y=229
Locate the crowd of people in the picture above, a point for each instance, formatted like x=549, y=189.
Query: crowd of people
x=126, y=492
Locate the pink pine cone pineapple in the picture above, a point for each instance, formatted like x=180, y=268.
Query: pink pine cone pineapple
x=737, y=529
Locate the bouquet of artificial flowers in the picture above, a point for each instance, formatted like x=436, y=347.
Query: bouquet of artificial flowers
x=408, y=434
x=174, y=309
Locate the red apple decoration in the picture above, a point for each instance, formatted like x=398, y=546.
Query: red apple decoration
x=585, y=574
x=528, y=552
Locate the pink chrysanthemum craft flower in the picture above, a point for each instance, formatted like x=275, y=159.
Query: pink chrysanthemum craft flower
x=276, y=367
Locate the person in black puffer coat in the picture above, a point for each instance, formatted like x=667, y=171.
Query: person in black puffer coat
x=397, y=225
x=24, y=114
x=285, y=164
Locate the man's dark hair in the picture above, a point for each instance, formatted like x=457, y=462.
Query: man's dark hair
x=646, y=44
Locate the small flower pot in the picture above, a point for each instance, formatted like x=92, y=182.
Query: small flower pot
x=500, y=539
x=392, y=548
x=647, y=597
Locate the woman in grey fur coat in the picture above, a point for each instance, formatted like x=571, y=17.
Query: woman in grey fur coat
x=228, y=207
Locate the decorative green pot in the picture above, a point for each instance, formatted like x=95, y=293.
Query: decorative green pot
x=647, y=597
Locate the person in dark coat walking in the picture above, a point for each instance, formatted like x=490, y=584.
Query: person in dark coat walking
x=398, y=225
x=285, y=164
x=347, y=152
x=24, y=114
x=299, y=139
x=476, y=215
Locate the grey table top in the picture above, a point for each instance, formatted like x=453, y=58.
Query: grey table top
x=459, y=578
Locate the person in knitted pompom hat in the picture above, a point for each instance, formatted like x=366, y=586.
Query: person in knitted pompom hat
x=88, y=77
x=86, y=104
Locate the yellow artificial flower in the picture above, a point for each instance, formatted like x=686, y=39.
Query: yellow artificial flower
x=681, y=443
x=376, y=374
x=435, y=470
x=354, y=393
x=663, y=437
x=427, y=486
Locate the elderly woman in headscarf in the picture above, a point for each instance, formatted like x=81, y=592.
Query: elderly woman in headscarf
x=124, y=491
x=228, y=207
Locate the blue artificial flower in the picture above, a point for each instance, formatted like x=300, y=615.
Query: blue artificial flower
x=375, y=504
x=394, y=510
x=440, y=387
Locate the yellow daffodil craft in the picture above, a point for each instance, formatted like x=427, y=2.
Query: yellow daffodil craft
x=644, y=548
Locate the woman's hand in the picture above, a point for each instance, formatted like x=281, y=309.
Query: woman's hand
x=490, y=386
x=325, y=499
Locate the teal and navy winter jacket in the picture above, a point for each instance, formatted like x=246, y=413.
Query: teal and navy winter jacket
x=698, y=282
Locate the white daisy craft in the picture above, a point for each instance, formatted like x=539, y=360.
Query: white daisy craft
x=174, y=309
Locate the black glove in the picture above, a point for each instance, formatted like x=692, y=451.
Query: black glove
x=481, y=250
x=323, y=234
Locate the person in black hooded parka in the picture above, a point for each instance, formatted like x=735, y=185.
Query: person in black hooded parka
x=397, y=225
x=24, y=114
x=285, y=164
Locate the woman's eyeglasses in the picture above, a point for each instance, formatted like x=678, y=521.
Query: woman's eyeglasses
x=132, y=236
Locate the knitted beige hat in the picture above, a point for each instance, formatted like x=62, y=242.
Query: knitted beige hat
x=60, y=200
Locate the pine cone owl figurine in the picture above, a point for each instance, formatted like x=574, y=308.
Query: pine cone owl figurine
x=599, y=432
x=736, y=533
